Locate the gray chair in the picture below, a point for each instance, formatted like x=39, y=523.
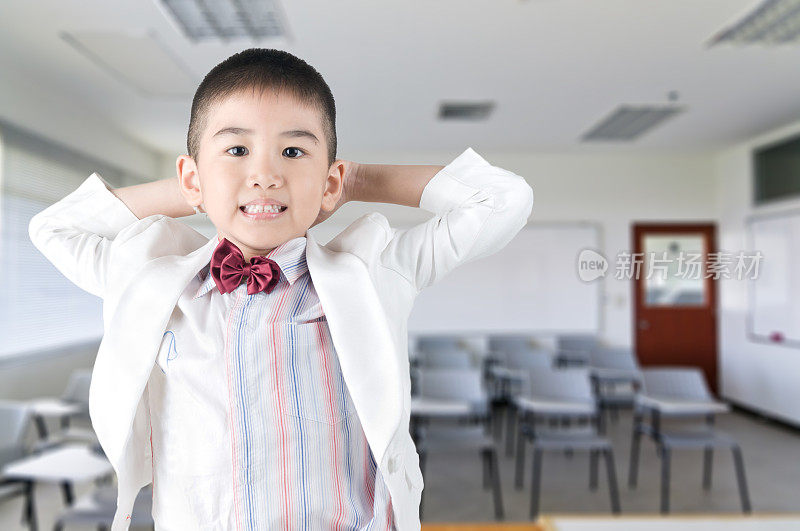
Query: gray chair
x=509, y=376
x=680, y=394
x=466, y=431
x=575, y=349
x=616, y=377
x=556, y=396
x=14, y=421
x=76, y=392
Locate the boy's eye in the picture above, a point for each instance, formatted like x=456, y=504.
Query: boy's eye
x=237, y=151
x=293, y=149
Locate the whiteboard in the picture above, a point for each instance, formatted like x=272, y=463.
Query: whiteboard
x=531, y=285
x=774, y=295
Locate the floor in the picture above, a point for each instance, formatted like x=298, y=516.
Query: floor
x=770, y=453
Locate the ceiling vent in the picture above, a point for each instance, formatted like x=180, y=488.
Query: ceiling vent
x=629, y=122
x=473, y=111
x=203, y=20
x=772, y=22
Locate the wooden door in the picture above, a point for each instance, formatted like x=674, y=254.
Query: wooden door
x=675, y=316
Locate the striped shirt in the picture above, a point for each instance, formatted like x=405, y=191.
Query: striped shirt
x=252, y=425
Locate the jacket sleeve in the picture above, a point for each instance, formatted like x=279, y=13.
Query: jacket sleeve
x=479, y=209
x=77, y=233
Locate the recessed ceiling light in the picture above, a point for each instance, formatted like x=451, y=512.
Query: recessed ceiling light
x=227, y=19
x=772, y=22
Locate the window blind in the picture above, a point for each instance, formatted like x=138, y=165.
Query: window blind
x=39, y=308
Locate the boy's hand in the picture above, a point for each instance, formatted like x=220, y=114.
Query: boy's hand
x=349, y=183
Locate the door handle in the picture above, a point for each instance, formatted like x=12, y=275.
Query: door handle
x=644, y=324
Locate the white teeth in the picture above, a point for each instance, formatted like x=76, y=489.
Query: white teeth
x=256, y=209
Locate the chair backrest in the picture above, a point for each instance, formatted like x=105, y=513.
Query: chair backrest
x=509, y=342
x=528, y=358
x=448, y=358
x=77, y=389
x=14, y=420
x=577, y=343
x=572, y=385
x=686, y=383
x=621, y=358
x=452, y=384
x=431, y=343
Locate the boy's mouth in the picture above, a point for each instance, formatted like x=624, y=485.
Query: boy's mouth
x=261, y=209
x=262, y=212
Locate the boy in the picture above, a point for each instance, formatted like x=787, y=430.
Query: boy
x=259, y=379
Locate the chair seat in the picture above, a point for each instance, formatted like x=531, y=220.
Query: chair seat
x=671, y=406
x=449, y=437
x=700, y=437
x=570, y=439
x=555, y=407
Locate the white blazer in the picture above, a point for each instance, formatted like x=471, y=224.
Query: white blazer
x=367, y=278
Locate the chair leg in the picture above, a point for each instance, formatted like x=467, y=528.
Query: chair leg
x=499, y=514
x=536, y=482
x=665, y=480
x=511, y=423
x=708, y=457
x=593, y=466
x=485, y=457
x=30, y=506
x=633, y=466
x=497, y=420
x=612, y=481
x=741, y=479
x=601, y=419
x=520, y=459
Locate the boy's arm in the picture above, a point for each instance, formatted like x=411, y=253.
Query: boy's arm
x=479, y=208
x=77, y=234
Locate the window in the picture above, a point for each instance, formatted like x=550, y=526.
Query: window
x=39, y=308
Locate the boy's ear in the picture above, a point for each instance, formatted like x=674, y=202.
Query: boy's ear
x=189, y=179
x=334, y=186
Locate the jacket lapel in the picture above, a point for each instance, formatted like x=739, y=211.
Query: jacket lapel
x=130, y=345
x=362, y=338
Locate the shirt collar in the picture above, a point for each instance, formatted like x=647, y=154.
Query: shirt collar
x=290, y=256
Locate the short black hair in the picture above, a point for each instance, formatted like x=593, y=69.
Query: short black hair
x=264, y=69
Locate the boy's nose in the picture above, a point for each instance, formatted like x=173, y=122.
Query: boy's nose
x=265, y=177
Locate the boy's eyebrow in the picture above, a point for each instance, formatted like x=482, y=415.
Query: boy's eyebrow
x=233, y=131
x=294, y=133
x=301, y=133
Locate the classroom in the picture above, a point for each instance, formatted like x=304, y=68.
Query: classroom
x=562, y=293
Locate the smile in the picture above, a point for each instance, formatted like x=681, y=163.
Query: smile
x=262, y=212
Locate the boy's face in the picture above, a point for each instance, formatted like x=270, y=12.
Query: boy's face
x=262, y=147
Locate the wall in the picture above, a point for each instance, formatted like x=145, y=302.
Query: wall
x=760, y=376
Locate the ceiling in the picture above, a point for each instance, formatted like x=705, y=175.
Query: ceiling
x=554, y=68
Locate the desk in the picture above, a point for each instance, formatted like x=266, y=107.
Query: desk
x=711, y=522
x=64, y=465
x=51, y=407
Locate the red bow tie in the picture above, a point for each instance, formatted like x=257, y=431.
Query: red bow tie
x=229, y=269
